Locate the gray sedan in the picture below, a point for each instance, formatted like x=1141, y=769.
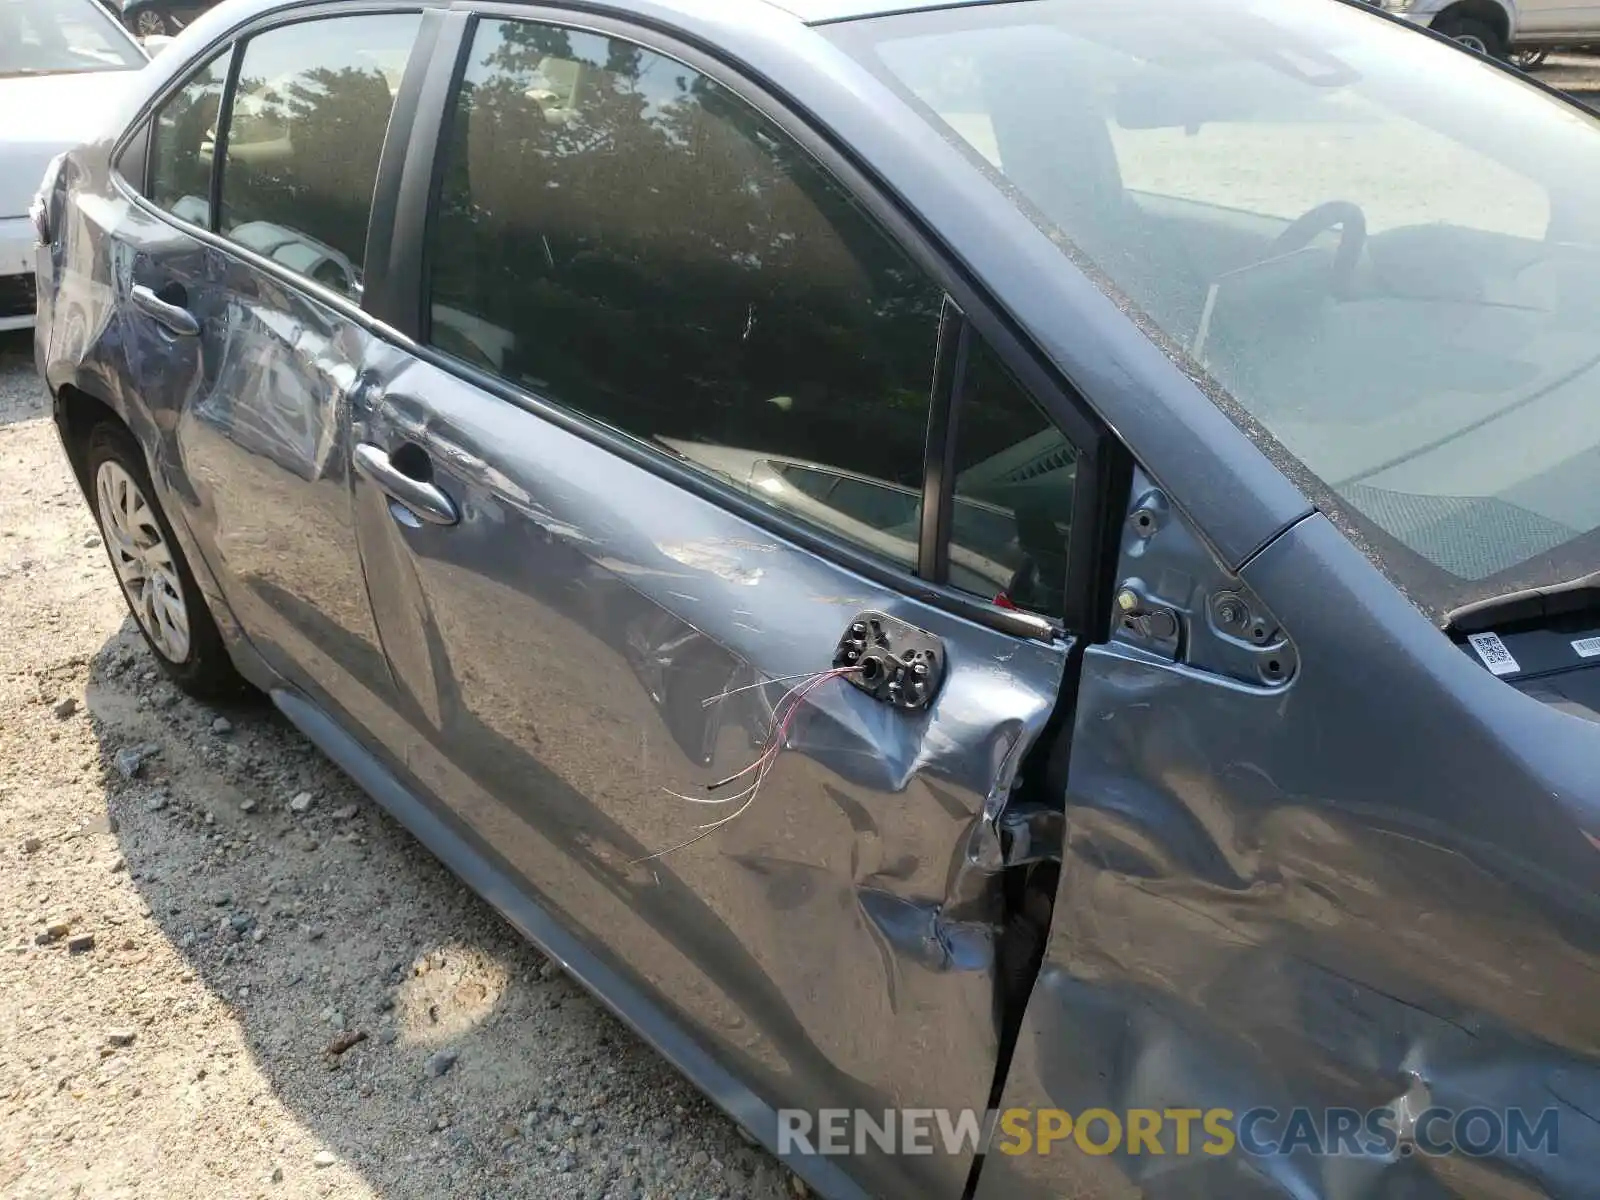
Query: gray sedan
x=1013, y=584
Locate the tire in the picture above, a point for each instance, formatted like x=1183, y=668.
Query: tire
x=1473, y=34
x=1530, y=60
x=151, y=22
x=152, y=572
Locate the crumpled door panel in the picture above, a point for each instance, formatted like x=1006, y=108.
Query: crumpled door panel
x=834, y=946
x=1372, y=885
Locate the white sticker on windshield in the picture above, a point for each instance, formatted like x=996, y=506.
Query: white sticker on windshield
x=1587, y=647
x=1494, y=653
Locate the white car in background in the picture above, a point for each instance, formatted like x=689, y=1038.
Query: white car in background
x=62, y=65
x=1523, y=29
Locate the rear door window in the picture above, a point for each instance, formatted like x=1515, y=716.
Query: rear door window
x=308, y=121
x=183, y=142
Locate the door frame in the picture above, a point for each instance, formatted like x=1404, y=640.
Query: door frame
x=395, y=271
x=408, y=187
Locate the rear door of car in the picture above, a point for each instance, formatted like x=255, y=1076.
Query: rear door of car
x=681, y=404
x=239, y=277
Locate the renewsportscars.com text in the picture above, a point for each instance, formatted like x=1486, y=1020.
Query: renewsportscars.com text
x=1259, y=1132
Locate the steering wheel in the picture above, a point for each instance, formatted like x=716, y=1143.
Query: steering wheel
x=1352, y=223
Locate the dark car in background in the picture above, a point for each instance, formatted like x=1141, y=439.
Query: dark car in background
x=149, y=18
x=1024, y=555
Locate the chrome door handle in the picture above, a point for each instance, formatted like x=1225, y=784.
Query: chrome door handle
x=419, y=496
x=171, y=317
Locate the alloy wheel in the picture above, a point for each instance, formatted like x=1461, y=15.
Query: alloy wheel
x=143, y=561
x=1473, y=42
x=150, y=23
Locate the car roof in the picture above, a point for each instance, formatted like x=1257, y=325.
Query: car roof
x=816, y=12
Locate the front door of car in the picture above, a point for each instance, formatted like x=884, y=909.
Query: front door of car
x=666, y=446
x=262, y=362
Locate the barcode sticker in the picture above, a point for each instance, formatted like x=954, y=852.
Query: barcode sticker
x=1494, y=653
x=1587, y=647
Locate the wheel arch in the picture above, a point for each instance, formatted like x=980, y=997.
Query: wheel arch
x=1491, y=12
x=76, y=412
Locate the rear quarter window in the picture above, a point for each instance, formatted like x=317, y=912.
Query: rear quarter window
x=308, y=121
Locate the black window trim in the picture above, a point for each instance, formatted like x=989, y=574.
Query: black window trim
x=938, y=461
x=139, y=140
x=411, y=104
x=219, y=147
x=402, y=302
x=967, y=311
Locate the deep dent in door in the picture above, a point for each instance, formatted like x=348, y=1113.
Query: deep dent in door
x=835, y=946
x=1366, y=888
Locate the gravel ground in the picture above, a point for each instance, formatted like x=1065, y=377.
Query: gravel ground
x=1577, y=74
x=206, y=992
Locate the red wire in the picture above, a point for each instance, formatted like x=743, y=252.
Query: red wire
x=780, y=728
x=777, y=736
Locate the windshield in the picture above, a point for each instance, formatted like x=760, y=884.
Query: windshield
x=49, y=37
x=1377, y=252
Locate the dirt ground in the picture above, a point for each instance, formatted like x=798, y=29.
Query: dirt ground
x=205, y=991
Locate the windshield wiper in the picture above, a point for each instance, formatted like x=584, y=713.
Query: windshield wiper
x=1527, y=605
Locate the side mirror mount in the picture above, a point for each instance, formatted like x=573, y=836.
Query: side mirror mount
x=156, y=43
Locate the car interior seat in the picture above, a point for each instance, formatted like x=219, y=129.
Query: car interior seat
x=1055, y=146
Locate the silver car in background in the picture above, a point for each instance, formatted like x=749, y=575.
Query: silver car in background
x=1523, y=29
x=62, y=65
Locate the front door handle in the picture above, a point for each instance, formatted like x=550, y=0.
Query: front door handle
x=418, y=495
x=171, y=317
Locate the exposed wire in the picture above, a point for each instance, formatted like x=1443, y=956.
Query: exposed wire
x=765, y=763
x=777, y=731
x=777, y=711
x=777, y=735
x=710, y=700
x=771, y=744
x=767, y=744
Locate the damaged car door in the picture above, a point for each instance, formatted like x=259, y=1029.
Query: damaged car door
x=672, y=493
x=253, y=363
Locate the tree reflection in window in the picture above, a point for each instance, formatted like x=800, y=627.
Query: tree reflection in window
x=622, y=235
x=183, y=138
x=309, y=117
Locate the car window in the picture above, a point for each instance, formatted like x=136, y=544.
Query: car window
x=1011, y=515
x=1379, y=253
x=47, y=37
x=621, y=235
x=183, y=138
x=307, y=124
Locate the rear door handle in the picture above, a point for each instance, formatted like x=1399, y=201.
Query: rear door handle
x=172, y=317
x=419, y=496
